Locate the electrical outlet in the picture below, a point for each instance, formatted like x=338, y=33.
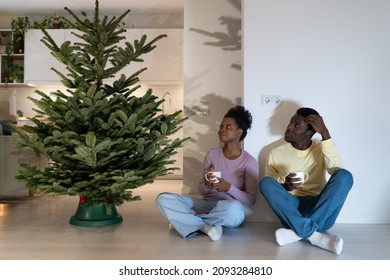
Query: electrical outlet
x=270, y=99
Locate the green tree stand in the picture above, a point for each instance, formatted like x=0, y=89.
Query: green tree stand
x=95, y=214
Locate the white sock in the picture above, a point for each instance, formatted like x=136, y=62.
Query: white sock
x=214, y=232
x=328, y=242
x=286, y=236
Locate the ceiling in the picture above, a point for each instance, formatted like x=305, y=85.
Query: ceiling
x=108, y=7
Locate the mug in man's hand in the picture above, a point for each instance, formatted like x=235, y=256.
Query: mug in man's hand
x=301, y=175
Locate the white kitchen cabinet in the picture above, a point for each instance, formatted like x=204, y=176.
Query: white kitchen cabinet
x=131, y=35
x=130, y=69
x=164, y=63
x=38, y=60
x=11, y=154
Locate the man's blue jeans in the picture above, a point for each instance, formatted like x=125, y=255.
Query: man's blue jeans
x=307, y=214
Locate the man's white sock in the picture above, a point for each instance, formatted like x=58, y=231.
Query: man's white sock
x=286, y=236
x=328, y=242
x=214, y=232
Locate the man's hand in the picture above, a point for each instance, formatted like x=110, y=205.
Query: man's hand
x=318, y=124
x=291, y=182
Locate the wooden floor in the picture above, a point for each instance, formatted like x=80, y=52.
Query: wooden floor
x=38, y=228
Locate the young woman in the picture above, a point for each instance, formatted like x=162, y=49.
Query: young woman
x=223, y=201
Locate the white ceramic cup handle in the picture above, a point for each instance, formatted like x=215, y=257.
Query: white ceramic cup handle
x=305, y=177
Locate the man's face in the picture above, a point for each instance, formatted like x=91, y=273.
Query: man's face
x=296, y=131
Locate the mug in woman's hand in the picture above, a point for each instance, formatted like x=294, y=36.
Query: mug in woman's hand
x=214, y=176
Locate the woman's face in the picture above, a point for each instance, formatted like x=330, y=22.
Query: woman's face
x=229, y=131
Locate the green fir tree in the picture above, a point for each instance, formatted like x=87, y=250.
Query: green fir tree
x=102, y=140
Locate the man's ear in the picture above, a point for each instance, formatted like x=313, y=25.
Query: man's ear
x=310, y=133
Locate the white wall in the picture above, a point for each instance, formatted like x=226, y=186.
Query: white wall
x=212, y=77
x=334, y=56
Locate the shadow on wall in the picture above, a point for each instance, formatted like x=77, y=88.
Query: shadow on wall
x=204, y=105
x=277, y=126
x=229, y=40
x=208, y=112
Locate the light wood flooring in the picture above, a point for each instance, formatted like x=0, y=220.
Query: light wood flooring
x=38, y=228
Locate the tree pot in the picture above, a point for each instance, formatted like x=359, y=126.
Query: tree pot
x=95, y=215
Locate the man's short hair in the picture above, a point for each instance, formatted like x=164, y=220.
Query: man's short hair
x=304, y=112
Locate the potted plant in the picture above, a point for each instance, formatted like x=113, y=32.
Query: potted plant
x=15, y=72
x=55, y=21
x=19, y=27
x=102, y=140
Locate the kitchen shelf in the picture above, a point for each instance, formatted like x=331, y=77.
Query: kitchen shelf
x=12, y=59
x=14, y=85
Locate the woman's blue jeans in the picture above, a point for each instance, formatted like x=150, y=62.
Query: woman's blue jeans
x=188, y=214
x=307, y=214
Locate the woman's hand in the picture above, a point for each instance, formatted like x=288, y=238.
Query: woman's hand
x=221, y=186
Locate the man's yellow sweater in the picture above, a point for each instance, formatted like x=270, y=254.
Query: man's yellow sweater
x=317, y=160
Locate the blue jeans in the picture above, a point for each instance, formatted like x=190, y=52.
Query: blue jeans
x=307, y=214
x=181, y=211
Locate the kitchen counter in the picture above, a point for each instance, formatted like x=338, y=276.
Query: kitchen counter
x=11, y=153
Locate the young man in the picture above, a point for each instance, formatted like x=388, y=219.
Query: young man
x=306, y=209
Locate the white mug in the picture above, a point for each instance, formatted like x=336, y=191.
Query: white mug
x=217, y=174
x=302, y=175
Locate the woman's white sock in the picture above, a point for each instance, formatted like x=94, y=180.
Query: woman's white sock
x=214, y=232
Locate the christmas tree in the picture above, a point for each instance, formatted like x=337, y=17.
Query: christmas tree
x=102, y=140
